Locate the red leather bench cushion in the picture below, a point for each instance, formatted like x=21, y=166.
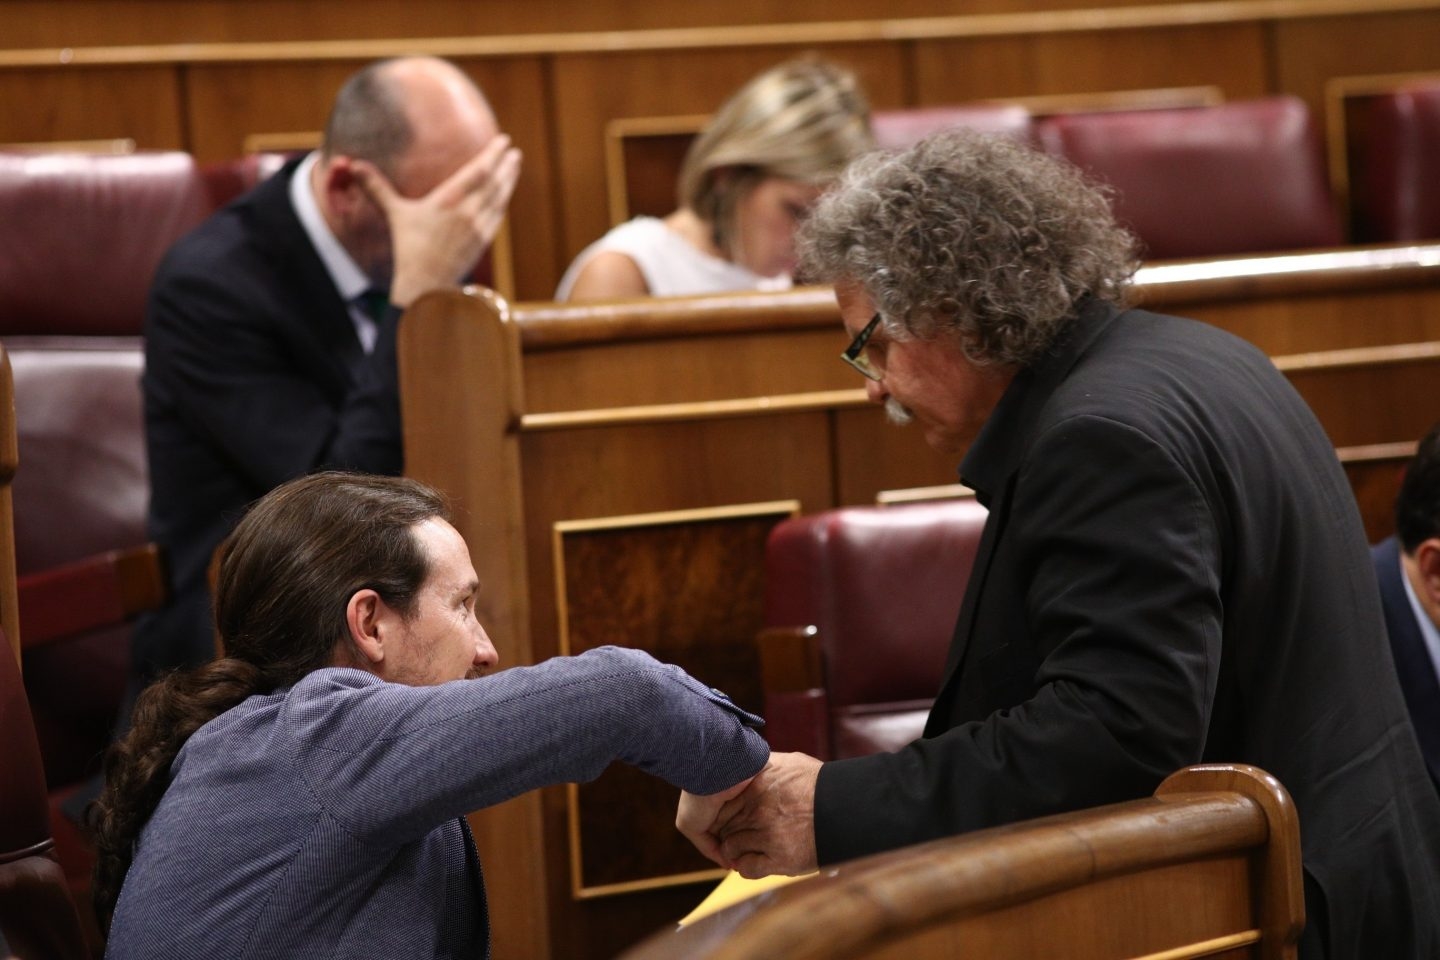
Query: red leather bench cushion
x=81, y=235
x=1397, y=183
x=898, y=129
x=82, y=488
x=883, y=586
x=1241, y=177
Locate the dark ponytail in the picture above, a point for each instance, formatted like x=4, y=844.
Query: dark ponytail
x=137, y=768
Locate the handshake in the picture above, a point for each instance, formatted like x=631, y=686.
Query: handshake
x=760, y=826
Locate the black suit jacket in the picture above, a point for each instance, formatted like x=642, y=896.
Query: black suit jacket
x=1173, y=571
x=1412, y=661
x=253, y=375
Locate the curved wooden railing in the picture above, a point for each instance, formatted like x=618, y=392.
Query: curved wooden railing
x=1210, y=864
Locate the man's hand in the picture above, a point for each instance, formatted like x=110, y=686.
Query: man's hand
x=696, y=818
x=438, y=237
x=769, y=828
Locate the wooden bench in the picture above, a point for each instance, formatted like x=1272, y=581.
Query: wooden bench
x=617, y=467
x=1209, y=866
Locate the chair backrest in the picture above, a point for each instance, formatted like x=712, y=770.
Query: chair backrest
x=882, y=588
x=37, y=916
x=227, y=179
x=1241, y=177
x=1209, y=866
x=81, y=235
x=84, y=491
x=898, y=129
x=1395, y=193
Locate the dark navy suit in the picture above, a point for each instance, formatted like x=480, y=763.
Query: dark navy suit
x=1412, y=661
x=253, y=375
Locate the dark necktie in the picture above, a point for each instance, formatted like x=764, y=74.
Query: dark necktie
x=374, y=304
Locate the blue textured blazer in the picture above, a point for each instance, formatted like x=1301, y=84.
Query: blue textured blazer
x=327, y=820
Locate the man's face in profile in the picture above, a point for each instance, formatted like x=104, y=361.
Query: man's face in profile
x=442, y=640
x=931, y=382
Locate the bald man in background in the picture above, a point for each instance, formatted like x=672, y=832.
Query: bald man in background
x=270, y=330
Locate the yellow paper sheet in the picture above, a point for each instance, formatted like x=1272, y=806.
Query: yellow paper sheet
x=732, y=889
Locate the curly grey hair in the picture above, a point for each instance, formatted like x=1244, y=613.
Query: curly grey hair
x=970, y=235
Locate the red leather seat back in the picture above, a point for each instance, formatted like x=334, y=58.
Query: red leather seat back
x=81, y=235
x=898, y=129
x=883, y=587
x=1241, y=177
x=82, y=489
x=1395, y=187
x=227, y=179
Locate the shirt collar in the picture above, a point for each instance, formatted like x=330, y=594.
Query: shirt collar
x=347, y=276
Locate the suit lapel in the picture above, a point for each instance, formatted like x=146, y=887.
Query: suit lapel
x=323, y=317
x=1412, y=660
x=999, y=508
x=991, y=467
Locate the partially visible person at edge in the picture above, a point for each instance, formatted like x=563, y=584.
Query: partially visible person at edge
x=1407, y=567
x=747, y=181
x=305, y=795
x=1173, y=569
x=270, y=328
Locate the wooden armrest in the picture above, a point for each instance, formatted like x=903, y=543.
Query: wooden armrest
x=97, y=591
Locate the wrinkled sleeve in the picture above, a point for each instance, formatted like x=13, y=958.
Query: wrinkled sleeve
x=392, y=759
x=1122, y=582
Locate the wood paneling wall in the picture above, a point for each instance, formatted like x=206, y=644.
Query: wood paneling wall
x=204, y=75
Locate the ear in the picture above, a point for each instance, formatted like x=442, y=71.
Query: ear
x=1427, y=564
x=339, y=186
x=365, y=615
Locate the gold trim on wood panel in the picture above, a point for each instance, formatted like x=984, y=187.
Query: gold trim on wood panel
x=699, y=410
x=661, y=518
x=945, y=491
x=1377, y=452
x=776, y=508
x=687, y=38
x=1108, y=101
x=616, y=132
x=114, y=146
x=280, y=142
x=1206, y=948
x=1383, y=356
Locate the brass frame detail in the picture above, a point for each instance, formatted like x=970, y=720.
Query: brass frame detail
x=780, y=508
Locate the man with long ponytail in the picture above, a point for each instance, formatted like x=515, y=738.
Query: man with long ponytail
x=305, y=794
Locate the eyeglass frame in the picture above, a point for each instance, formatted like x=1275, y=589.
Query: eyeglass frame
x=854, y=354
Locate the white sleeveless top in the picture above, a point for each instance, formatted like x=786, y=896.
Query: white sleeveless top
x=670, y=265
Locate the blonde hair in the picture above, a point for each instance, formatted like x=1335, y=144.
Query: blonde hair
x=802, y=120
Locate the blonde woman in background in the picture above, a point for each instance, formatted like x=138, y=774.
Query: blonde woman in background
x=748, y=179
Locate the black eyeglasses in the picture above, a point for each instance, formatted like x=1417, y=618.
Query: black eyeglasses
x=855, y=354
